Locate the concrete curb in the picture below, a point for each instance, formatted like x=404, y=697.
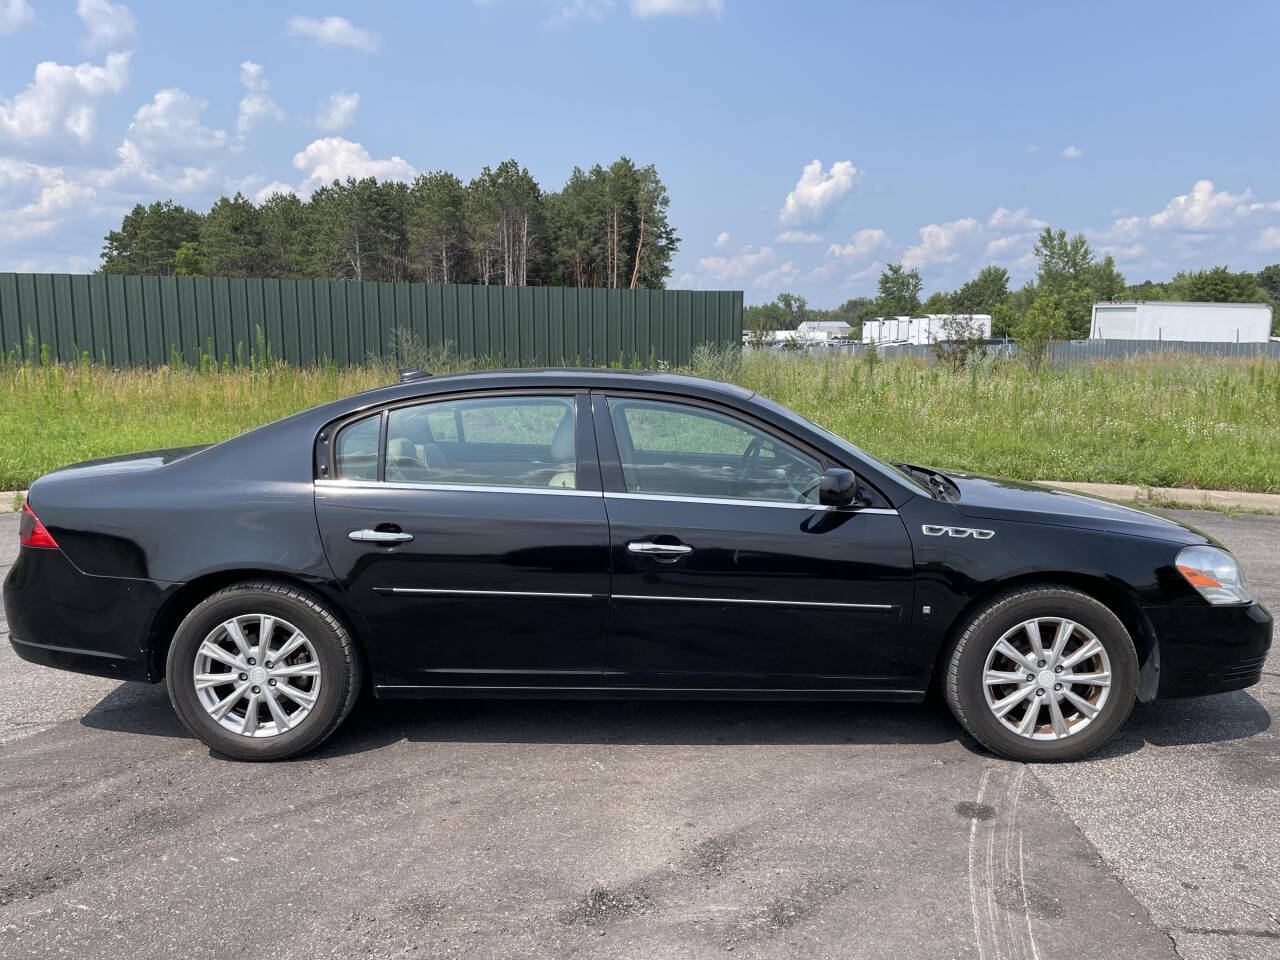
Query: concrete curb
x=1175, y=496
x=9, y=502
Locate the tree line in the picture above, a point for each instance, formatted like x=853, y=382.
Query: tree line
x=607, y=227
x=1056, y=305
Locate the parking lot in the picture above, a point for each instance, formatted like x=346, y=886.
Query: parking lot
x=531, y=829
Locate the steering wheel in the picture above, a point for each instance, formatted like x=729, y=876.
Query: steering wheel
x=749, y=457
x=801, y=480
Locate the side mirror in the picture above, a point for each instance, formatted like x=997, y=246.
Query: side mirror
x=839, y=488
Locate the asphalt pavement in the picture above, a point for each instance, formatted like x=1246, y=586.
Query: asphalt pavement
x=530, y=829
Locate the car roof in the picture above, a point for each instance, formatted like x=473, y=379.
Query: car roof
x=551, y=377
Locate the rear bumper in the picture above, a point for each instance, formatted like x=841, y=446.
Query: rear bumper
x=60, y=617
x=1210, y=649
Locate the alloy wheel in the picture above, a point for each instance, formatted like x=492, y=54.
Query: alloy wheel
x=257, y=675
x=1047, y=678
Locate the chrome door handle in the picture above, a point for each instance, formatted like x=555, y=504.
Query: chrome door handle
x=649, y=548
x=379, y=536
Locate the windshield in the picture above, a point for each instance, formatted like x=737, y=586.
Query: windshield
x=843, y=444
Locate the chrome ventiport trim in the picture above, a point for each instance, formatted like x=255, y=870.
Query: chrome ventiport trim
x=932, y=530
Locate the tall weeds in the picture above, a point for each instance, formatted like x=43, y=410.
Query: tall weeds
x=1163, y=420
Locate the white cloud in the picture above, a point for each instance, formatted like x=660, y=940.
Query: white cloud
x=738, y=266
x=1005, y=219
x=797, y=236
x=864, y=244
x=33, y=197
x=14, y=15
x=777, y=277
x=1072, y=153
x=677, y=8
x=1269, y=239
x=60, y=99
x=270, y=190
x=335, y=158
x=334, y=32
x=722, y=240
x=139, y=172
x=1202, y=209
x=171, y=125
x=256, y=106
x=593, y=10
x=339, y=111
x=816, y=193
x=110, y=26
x=942, y=243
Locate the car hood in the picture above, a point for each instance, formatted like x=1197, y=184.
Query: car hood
x=995, y=499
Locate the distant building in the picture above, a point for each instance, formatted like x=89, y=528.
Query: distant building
x=1181, y=321
x=926, y=328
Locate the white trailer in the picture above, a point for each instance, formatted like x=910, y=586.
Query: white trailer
x=1181, y=321
x=927, y=328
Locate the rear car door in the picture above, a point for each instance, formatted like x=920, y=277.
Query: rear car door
x=471, y=533
x=727, y=570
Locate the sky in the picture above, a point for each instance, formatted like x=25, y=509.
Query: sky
x=804, y=144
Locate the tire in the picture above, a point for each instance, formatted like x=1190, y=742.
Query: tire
x=325, y=662
x=975, y=697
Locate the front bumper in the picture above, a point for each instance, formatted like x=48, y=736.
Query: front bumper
x=1207, y=649
x=60, y=617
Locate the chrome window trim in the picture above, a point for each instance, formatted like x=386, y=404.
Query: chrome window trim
x=459, y=487
x=776, y=603
x=743, y=502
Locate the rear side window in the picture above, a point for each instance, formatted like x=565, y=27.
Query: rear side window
x=525, y=441
x=356, y=452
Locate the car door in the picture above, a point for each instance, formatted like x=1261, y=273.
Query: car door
x=470, y=532
x=727, y=572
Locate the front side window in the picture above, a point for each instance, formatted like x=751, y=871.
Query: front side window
x=685, y=450
x=487, y=441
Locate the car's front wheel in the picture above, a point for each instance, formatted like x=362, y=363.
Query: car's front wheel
x=1042, y=673
x=262, y=671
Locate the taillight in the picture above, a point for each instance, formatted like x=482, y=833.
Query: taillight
x=32, y=532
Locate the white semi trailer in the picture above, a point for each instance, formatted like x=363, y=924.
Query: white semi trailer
x=1182, y=321
x=926, y=328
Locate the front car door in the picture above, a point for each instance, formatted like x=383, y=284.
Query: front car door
x=727, y=572
x=470, y=531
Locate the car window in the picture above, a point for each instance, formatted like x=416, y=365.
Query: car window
x=487, y=441
x=356, y=455
x=684, y=450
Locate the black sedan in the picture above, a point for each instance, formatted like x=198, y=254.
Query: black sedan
x=568, y=533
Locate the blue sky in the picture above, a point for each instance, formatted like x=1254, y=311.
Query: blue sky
x=804, y=144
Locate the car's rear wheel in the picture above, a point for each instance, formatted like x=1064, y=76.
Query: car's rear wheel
x=262, y=671
x=1042, y=673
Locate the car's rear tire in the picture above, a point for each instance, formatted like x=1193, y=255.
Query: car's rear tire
x=1042, y=673
x=262, y=670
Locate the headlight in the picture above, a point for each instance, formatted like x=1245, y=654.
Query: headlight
x=1215, y=575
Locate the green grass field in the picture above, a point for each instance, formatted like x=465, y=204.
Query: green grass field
x=1159, y=421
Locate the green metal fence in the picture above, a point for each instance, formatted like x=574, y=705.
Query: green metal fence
x=151, y=320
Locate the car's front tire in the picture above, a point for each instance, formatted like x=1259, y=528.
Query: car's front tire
x=262, y=671
x=1042, y=673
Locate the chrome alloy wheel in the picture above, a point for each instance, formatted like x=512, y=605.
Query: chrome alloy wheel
x=257, y=675
x=1047, y=678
